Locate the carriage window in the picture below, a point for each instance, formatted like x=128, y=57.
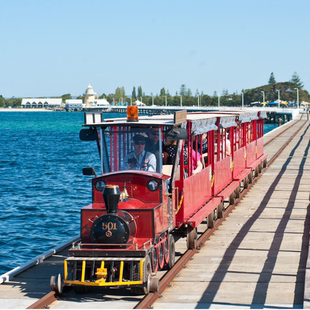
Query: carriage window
x=249, y=132
x=238, y=137
x=126, y=148
x=222, y=145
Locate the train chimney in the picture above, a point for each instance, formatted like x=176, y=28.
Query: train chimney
x=111, y=196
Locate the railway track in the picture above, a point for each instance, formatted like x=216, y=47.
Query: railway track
x=168, y=277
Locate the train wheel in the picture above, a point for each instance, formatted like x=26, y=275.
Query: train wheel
x=246, y=182
x=220, y=210
x=232, y=198
x=237, y=192
x=53, y=283
x=192, y=239
x=166, y=246
x=154, y=260
x=250, y=177
x=211, y=220
x=171, y=252
x=215, y=215
x=265, y=163
x=149, y=282
x=256, y=173
x=56, y=283
x=153, y=284
x=161, y=256
x=260, y=168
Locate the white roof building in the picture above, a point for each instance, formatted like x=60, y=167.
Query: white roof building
x=74, y=104
x=139, y=103
x=41, y=102
x=100, y=102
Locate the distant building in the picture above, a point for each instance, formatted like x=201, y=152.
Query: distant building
x=100, y=102
x=89, y=95
x=74, y=104
x=91, y=98
x=139, y=103
x=31, y=103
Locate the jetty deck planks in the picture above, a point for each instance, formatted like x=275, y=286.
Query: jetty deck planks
x=258, y=256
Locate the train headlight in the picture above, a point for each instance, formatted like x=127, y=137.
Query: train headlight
x=100, y=185
x=152, y=185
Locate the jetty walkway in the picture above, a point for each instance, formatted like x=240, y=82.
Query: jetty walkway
x=257, y=258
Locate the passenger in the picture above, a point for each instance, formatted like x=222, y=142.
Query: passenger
x=169, y=152
x=196, y=160
x=153, y=146
x=154, y=135
x=227, y=146
x=140, y=159
x=204, y=144
x=238, y=136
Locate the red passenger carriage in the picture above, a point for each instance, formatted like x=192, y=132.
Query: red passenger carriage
x=141, y=201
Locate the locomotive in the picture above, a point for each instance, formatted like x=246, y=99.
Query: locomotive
x=141, y=201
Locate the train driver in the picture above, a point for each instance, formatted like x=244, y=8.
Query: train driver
x=140, y=159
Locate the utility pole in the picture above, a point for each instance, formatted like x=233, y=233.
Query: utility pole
x=278, y=90
x=263, y=95
x=297, y=103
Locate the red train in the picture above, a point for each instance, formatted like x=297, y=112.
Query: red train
x=161, y=176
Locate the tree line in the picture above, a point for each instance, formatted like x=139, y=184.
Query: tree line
x=287, y=90
x=185, y=96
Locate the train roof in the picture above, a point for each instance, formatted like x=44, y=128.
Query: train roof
x=96, y=119
x=243, y=116
x=201, y=121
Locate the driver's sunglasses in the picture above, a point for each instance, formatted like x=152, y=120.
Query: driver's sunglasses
x=139, y=143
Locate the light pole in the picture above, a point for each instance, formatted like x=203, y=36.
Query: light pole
x=165, y=100
x=152, y=100
x=278, y=90
x=242, y=100
x=263, y=95
x=198, y=100
x=181, y=100
x=297, y=103
x=219, y=101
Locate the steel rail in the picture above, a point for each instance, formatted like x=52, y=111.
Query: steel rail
x=166, y=280
x=44, y=302
x=279, y=134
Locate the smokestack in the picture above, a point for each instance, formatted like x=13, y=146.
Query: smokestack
x=111, y=196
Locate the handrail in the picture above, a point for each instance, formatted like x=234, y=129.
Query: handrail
x=35, y=261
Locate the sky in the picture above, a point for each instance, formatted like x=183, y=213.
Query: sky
x=51, y=48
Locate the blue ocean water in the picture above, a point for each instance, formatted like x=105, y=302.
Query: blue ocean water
x=42, y=188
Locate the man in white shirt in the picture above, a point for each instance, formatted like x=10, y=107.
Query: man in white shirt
x=139, y=159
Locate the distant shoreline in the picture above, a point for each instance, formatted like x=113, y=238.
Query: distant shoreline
x=24, y=110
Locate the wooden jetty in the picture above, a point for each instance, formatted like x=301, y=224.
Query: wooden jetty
x=256, y=259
